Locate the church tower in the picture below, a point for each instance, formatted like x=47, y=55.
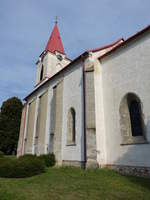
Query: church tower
x=52, y=59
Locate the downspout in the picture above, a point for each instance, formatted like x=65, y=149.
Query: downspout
x=84, y=110
x=23, y=129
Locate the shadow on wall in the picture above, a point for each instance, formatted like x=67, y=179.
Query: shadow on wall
x=134, y=160
x=132, y=155
x=52, y=121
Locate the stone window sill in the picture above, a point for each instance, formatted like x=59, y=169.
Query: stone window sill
x=134, y=140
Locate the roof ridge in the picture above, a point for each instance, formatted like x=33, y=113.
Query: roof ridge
x=126, y=41
x=106, y=46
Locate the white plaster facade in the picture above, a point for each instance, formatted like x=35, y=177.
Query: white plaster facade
x=116, y=73
x=51, y=65
x=72, y=97
x=126, y=70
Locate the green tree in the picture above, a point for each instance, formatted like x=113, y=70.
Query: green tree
x=10, y=117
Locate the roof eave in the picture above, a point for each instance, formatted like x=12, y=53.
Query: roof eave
x=106, y=46
x=125, y=42
x=86, y=53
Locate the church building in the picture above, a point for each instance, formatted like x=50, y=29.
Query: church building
x=93, y=111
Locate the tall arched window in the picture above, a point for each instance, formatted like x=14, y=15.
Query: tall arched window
x=131, y=120
x=71, y=136
x=134, y=107
x=42, y=72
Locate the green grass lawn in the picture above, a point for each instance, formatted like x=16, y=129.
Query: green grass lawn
x=75, y=184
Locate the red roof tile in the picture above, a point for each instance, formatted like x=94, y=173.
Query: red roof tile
x=54, y=42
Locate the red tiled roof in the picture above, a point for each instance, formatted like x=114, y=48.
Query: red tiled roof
x=54, y=42
x=83, y=54
x=62, y=70
x=86, y=52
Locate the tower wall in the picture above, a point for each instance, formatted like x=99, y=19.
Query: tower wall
x=51, y=65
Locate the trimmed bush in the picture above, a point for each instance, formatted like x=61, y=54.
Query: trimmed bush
x=49, y=159
x=28, y=157
x=22, y=167
x=25, y=166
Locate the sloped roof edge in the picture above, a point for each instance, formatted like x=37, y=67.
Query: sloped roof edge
x=83, y=54
x=106, y=46
x=50, y=78
x=125, y=42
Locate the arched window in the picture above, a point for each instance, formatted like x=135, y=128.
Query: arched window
x=134, y=107
x=71, y=136
x=131, y=121
x=41, y=74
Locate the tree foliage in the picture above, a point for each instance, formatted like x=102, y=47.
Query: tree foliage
x=10, y=117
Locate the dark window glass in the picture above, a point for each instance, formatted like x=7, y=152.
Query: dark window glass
x=135, y=117
x=41, y=74
x=73, y=124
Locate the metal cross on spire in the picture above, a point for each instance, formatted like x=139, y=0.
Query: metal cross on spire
x=56, y=20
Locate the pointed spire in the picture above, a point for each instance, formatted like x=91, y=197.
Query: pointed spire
x=54, y=42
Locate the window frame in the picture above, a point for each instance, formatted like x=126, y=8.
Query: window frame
x=71, y=118
x=125, y=121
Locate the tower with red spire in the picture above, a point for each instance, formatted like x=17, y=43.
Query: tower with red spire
x=52, y=59
x=54, y=43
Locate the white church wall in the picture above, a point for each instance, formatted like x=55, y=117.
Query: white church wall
x=126, y=71
x=35, y=123
x=37, y=74
x=73, y=98
x=99, y=112
x=48, y=125
x=99, y=108
x=99, y=53
x=53, y=65
x=22, y=133
x=35, y=98
x=47, y=134
x=30, y=122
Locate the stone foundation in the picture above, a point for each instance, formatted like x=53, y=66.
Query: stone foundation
x=92, y=164
x=73, y=163
x=131, y=170
x=126, y=170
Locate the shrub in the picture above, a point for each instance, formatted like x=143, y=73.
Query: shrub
x=1, y=154
x=49, y=159
x=22, y=167
x=27, y=157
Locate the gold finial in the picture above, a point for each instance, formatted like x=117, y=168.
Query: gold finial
x=56, y=20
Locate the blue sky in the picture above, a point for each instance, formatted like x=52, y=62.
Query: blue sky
x=83, y=24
